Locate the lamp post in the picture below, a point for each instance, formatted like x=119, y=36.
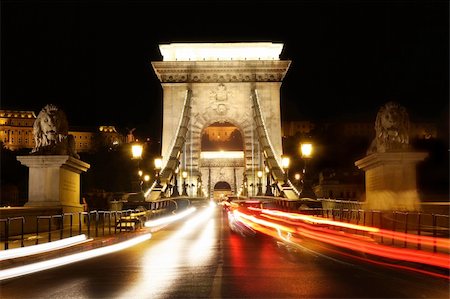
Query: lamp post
x=158, y=165
x=175, y=184
x=285, y=164
x=146, y=179
x=268, y=186
x=184, y=174
x=307, y=192
x=199, y=186
x=141, y=182
x=136, y=151
x=297, y=179
x=245, y=183
x=260, y=173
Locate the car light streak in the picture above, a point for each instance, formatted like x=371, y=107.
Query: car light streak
x=404, y=254
x=252, y=218
x=402, y=267
x=41, y=248
x=317, y=220
x=40, y=266
x=441, y=243
x=312, y=227
x=239, y=226
x=338, y=238
x=410, y=238
x=169, y=219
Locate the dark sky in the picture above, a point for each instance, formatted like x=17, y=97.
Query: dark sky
x=348, y=57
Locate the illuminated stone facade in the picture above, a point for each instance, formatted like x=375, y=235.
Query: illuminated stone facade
x=16, y=129
x=221, y=78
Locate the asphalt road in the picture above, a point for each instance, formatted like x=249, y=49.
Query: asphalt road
x=202, y=258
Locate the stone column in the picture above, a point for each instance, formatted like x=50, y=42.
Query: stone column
x=391, y=181
x=54, y=181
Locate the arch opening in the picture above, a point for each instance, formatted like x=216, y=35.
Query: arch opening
x=222, y=189
x=222, y=136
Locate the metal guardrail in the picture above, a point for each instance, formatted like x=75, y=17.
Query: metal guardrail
x=410, y=223
x=93, y=223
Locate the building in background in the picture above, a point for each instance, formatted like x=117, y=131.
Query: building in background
x=16, y=129
x=297, y=127
x=16, y=132
x=417, y=130
x=340, y=184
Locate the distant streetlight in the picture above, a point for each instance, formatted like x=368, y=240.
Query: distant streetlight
x=268, y=187
x=158, y=165
x=297, y=179
x=306, y=150
x=307, y=192
x=285, y=164
x=141, y=182
x=184, y=174
x=146, y=179
x=136, y=151
x=245, y=183
x=175, y=184
x=260, y=174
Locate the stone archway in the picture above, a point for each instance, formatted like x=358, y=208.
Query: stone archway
x=222, y=137
x=221, y=190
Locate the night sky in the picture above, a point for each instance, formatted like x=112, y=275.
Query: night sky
x=348, y=57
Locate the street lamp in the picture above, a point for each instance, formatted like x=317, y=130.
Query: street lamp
x=146, y=179
x=260, y=173
x=158, y=166
x=140, y=179
x=285, y=164
x=175, y=184
x=268, y=187
x=184, y=174
x=297, y=179
x=245, y=183
x=136, y=151
x=307, y=192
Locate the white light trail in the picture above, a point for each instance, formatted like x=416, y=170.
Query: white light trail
x=40, y=248
x=169, y=219
x=160, y=262
x=44, y=265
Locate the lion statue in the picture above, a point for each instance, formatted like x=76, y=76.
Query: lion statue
x=391, y=129
x=51, y=133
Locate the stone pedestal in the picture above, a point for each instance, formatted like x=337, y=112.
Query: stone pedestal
x=54, y=181
x=391, y=182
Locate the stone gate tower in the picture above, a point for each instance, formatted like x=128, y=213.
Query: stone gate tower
x=219, y=79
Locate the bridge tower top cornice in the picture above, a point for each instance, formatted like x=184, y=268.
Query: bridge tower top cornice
x=221, y=62
x=221, y=71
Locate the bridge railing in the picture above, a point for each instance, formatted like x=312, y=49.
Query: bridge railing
x=409, y=229
x=96, y=223
x=397, y=228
